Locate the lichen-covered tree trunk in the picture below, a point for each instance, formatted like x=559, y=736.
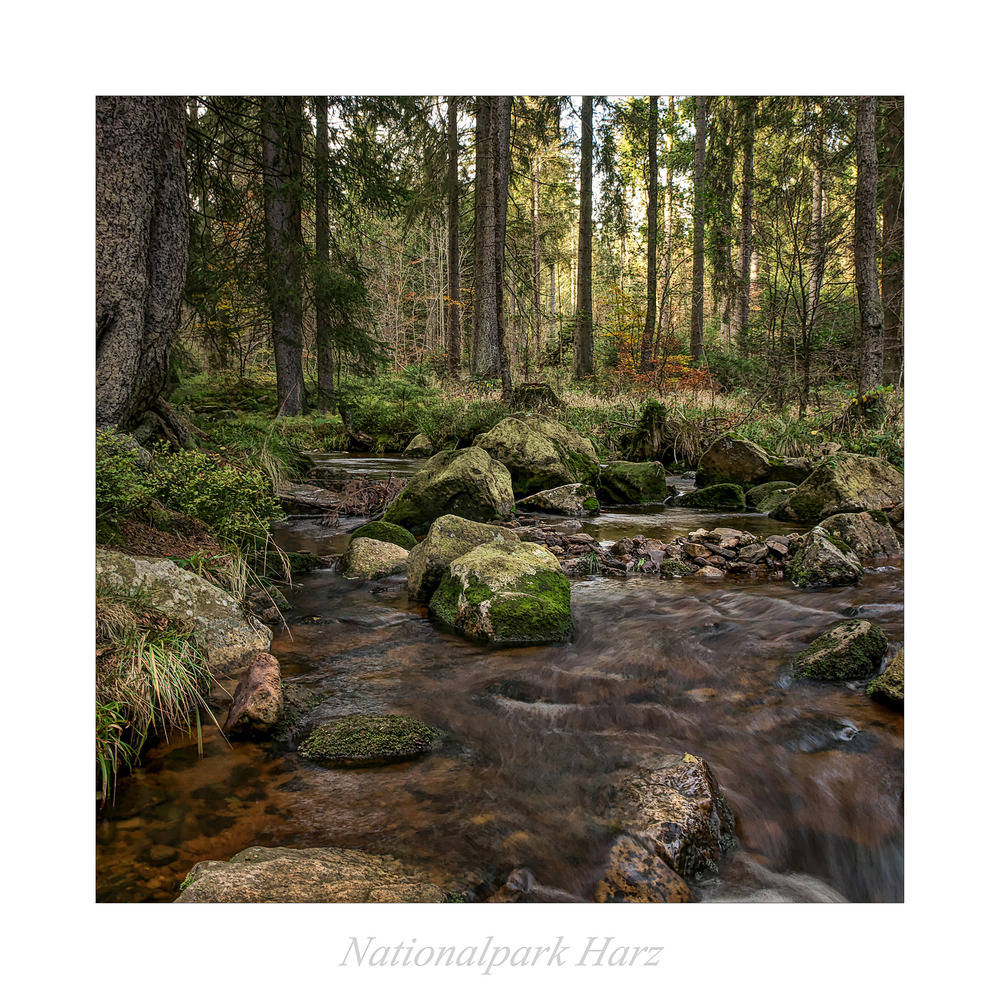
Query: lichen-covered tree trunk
x=652, y=192
x=281, y=125
x=536, y=253
x=485, y=360
x=454, y=335
x=142, y=241
x=503, y=108
x=749, y=105
x=866, y=248
x=583, y=340
x=892, y=239
x=324, y=339
x=698, y=279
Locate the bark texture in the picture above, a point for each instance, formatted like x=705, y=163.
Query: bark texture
x=698, y=279
x=454, y=342
x=746, y=224
x=324, y=339
x=892, y=239
x=866, y=249
x=142, y=242
x=583, y=340
x=652, y=193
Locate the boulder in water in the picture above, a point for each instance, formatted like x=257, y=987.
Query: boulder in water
x=258, y=699
x=887, y=687
x=510, y=592
x=634, y=873
x=574, y=499
x=733, y=459
x=768, y=495
x=819, y=559
x=367, y=558
x=724, y=496
x=420, y=447
x=868, y=535
x=382, y=530
x=850, y=651
x=368, y=740
x=468, y=483
x=635, y=482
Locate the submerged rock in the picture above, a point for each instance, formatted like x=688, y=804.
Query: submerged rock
x=634, y=873
x=367, y=558
x=634, y=482
x=448, y=538
x=258, y=700
x=732, y=459
x=506, y=591
x=725, y=496
x=540, y=454
x=850, y=651
x=368, y=740
x=574, y=499
x=868, y=535
x=221, y=628
x=283, y=874
x=887, y=687
x=843, y=483
x=420, y=447
x=675, y=809
x=817, y=559
x=468, y=483
x=382, y=530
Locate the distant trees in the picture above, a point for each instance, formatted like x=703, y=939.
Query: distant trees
x=142, y=244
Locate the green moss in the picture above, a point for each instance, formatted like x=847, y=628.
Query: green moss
x=674, y=567
x=806, y=506
x=887, y=687
x=361, y=740
x=850, y=651
x=380, y=530
x=840, y=544
x=187, y=880
x=444, y=602
x=724, y=496
x=591, y=505
x=879, y=517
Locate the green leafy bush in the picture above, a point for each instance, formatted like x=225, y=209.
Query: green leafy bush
x=122, y=483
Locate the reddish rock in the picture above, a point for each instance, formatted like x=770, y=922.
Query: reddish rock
x=258, y=699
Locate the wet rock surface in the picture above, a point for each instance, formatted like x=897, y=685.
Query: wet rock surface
x=258, y=700
x=850, y=651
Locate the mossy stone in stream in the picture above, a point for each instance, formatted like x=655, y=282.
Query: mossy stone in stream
x=763, y=497
x=367, y=740
x=675, y=567
x=725, y=496
x=382, y=530
x=887, y=687
x=850, y=651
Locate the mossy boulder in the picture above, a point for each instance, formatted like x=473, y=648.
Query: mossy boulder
x=820, y=559
x=768, y=495
x=448, y=538
x=733, y=459
x=887, y=687
x=382, y=530
x=624, y=482
x=574, y=499
x=540, y=453
x=420, y=447
x=674, y=806
x=868, y=535
x=316, y=874
x=843, y=483
x=467, y=482
x=634, y=873
x=508, y=592
x=368, y=740
x=850, y=651
x=367, y=558
x=725, y=496
x=222, y=629
x=794, y=470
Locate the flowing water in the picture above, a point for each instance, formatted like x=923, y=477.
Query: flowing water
x=813, y=771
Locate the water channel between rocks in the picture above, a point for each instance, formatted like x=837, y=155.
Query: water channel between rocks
x=813, y=771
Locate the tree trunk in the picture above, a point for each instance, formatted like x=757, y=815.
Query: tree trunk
x=501, y=179
x=282, y=148
x=324, y=338
x=668, y=224
x=583, y=340
x=865, y=251
x=746, y=225
x=892, y=240
x=698, y=279
x=536, y=253
x=816, y=237
x=485, y=361
x=142, y=242
x=646, y=356
x=454, y=335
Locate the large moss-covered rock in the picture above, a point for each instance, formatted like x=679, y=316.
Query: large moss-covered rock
x=258, y=700
x=575, y=500
x=768, y=495
x=318, y=874
x=634, y=482
x=510, y=592
x=673, y=806
x=732, y=459
x=468, y=483
x=634, y=873
x=794, y=470
x=850, y=651
x=420, y=447
x=382, y=530
x=221, y=627
x=365, y=740
x=725, y=496
x=540, y=454
x=367, y=558
x=448, y=538
x=867, y=535
x=843, y=483
x=887, y=687
x=818, y=559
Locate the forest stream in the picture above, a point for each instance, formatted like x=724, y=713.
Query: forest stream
x=813, y=771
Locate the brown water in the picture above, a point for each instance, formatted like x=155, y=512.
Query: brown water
x=813, y=771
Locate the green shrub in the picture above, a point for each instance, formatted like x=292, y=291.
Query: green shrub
x=122, y=484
